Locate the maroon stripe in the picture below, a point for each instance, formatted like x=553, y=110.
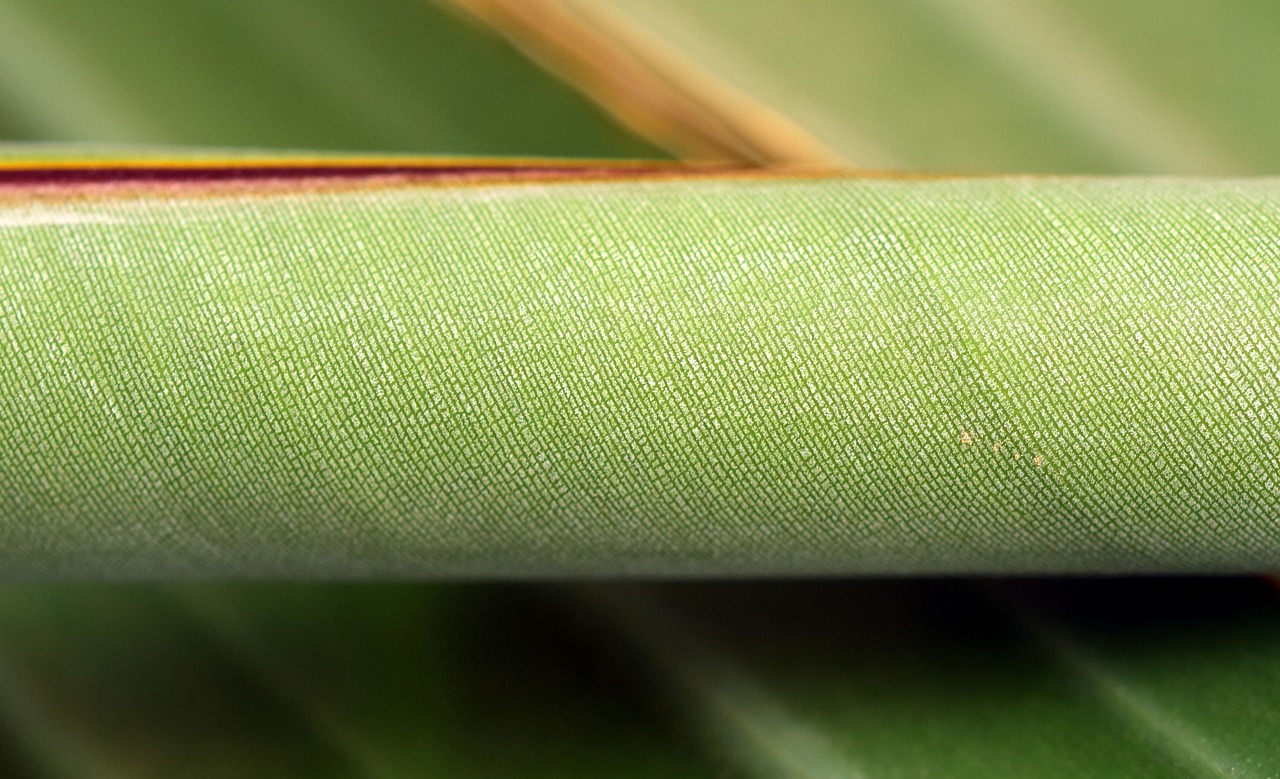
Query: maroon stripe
x=107, y=174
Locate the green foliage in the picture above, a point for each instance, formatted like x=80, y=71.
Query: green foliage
x=314, y=681
x=138, y=428
x=1158, y=678
x=980, y=86
x=1153, y=678
x=374, y=75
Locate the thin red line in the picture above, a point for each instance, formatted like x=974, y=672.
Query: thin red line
x=170, y=174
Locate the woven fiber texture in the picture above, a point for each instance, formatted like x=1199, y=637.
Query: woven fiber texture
x=700, y=376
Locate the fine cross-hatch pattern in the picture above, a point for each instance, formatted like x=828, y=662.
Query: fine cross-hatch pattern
x=692, y=374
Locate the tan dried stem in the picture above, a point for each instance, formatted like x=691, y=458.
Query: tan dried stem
x=647, y=85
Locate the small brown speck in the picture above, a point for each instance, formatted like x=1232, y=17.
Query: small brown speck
x=997, y=447
x=1017, y=456
x=966, y=438
x=1038, y=460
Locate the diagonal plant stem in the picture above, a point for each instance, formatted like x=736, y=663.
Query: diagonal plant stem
x=648, y=85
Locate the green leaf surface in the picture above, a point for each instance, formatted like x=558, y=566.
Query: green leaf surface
x=699, y=374
x=368, y=75
x=1059, y=86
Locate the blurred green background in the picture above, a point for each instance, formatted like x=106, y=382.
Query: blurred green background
x=357, y=75
x=1067, y=86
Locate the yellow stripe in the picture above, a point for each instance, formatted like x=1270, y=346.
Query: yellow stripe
x=426, y=163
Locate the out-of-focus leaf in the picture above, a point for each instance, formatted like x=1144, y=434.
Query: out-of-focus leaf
x=348, y=375
x=947, y=678
x=1002, y=85
x=313, y=681
x=369, y=75
x=1158, y=678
